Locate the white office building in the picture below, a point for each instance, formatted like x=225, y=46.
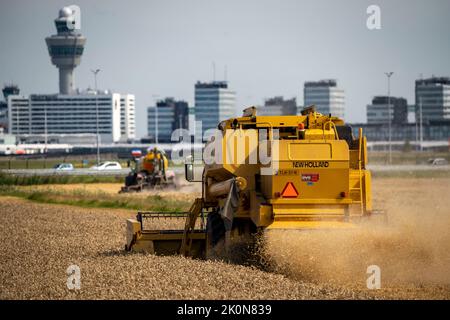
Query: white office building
x=326, y=96
x=72, y=117
x=127, y=118
x=214, y=102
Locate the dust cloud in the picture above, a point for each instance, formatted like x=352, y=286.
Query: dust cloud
x=413, y=249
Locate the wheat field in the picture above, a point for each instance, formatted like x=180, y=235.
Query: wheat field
x=40, y=241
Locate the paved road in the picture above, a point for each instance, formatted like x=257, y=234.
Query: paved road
x=76, y=172
x=418, y=167
x=180, y=170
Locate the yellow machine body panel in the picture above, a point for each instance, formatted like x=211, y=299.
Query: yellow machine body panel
x=309, y=225
x=318, y=169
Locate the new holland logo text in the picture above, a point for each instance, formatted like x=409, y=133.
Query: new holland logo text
x=310, y=164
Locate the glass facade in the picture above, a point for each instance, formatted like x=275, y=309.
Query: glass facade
x=326, y=96
x=168, y=116
x=432, y=131
x=214, y=102
x=433, y=98
x=65, y=50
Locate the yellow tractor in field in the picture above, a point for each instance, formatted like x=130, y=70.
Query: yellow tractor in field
x=270, y=172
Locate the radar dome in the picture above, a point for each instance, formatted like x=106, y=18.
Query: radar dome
x=65, y=12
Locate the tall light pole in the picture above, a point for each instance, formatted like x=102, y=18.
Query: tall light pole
x=155, y=96
x=389, y=74
x=18, y=124
x=417, y=133
x=95, y=72
x=420, y=124
x=45, y=128
x=156, y=124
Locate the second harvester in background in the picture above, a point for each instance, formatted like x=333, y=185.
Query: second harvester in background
x=150, y=171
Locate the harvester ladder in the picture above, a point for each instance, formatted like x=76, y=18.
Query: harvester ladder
x=359, y=187
x=191, y=218
x=360, y=132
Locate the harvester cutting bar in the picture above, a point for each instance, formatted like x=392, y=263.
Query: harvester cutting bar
x=166, y=238
x=165, y=214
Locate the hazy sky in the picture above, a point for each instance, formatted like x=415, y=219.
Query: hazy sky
x=161, y=48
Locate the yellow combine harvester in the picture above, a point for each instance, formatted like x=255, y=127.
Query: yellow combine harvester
x=316, y=179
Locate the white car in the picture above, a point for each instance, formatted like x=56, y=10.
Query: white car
x=63, y=167
x=108, y=165
x=438, y=162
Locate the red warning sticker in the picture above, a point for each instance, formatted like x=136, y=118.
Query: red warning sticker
x=310, y=177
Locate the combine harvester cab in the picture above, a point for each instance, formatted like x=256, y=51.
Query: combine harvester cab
x=315, y=178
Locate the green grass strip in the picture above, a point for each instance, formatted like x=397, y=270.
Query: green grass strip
x=9, y=179
x=96, y=200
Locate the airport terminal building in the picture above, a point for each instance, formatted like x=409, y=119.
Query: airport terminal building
x=72, y=117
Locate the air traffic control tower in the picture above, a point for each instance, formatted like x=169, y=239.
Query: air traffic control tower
x=65, y=48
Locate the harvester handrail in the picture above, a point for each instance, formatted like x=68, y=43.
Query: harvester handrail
x=360, y=139
x=333, y=126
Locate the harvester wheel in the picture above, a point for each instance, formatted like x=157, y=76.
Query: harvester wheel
x=239, y=245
